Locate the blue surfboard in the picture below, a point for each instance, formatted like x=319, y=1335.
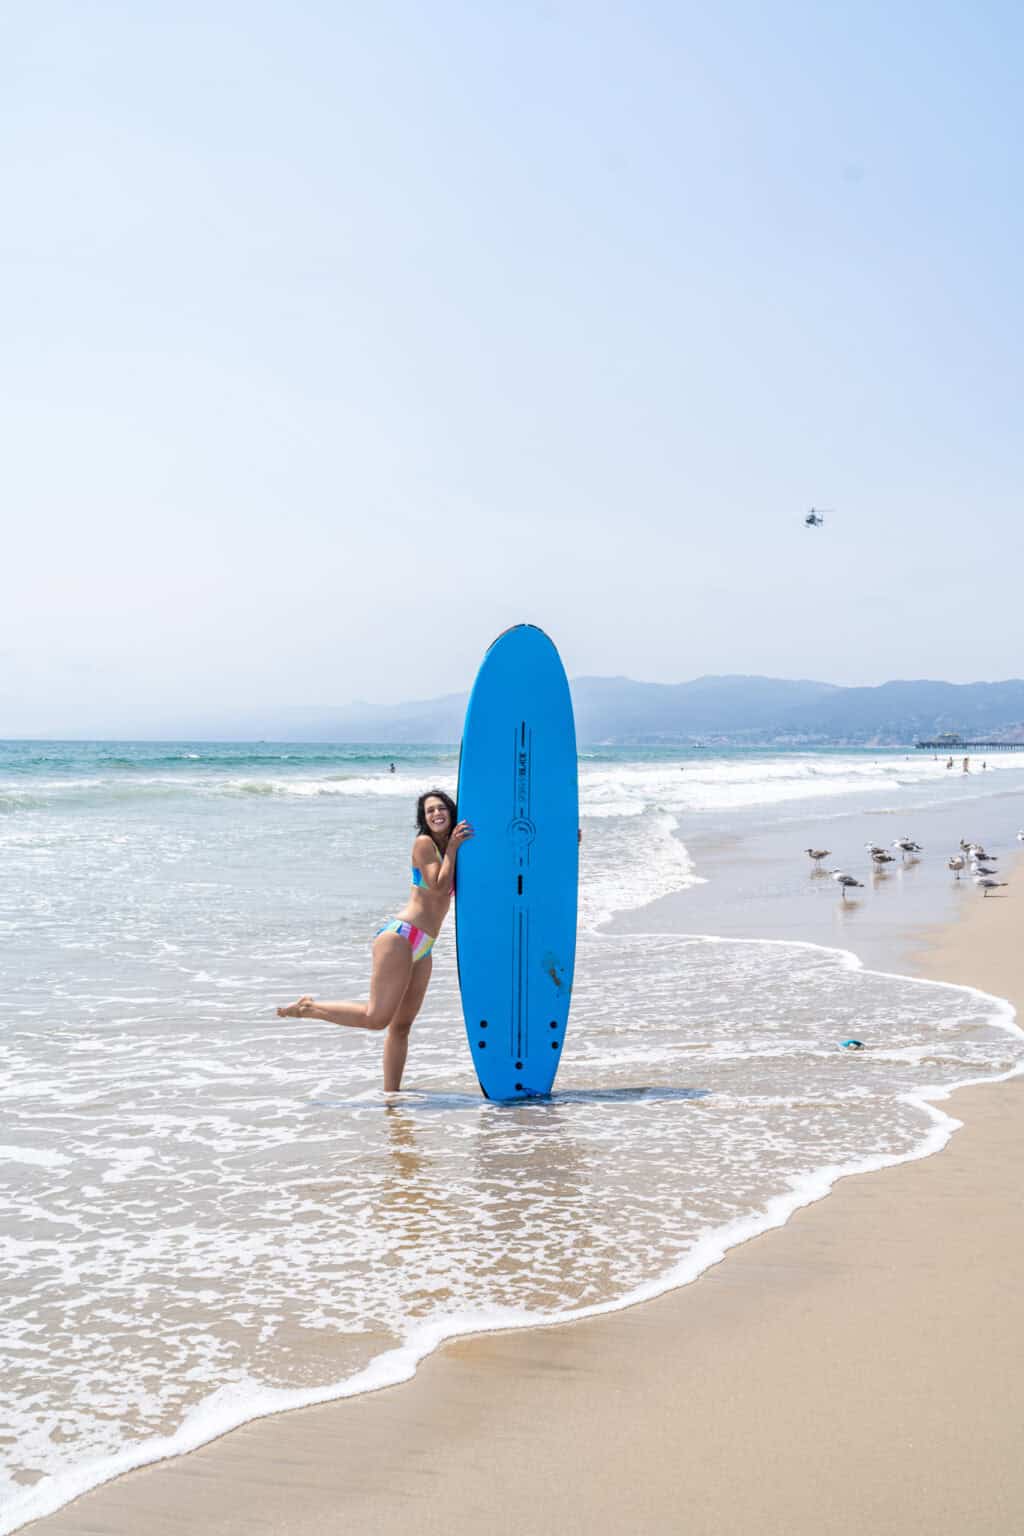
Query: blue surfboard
x=515, y=905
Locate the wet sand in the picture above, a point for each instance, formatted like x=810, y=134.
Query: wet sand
x=856, y=1370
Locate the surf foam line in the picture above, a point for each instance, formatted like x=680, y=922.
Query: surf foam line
x=963, y=796
x=664, y=867
x=243, y=1402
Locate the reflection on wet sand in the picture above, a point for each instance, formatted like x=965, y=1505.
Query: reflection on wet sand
x=530, y=1178
x=409, y=1208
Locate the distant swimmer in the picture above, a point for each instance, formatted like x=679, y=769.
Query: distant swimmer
x=391, y=768
x=967, y=765
x=402, y=961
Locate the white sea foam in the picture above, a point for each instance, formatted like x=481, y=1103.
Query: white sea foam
x=645, y=861
x=241, y=1199
x=611, y=784
x=38, y=1157
x=204, y=1229
x=754, y=779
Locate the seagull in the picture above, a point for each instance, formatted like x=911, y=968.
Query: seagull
x=817, y=854
x=965, y=846
x=982, y=869
x=956, y=864
x=874, y=848
x=1020, y=835
x=846, y=882
x=988, y=884
x=976, y=851
x=907, y=845
x=880, y=858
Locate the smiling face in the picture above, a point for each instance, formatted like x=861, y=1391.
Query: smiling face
x=437, y=815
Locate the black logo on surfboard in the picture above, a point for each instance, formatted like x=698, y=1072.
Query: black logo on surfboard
x=522, y=831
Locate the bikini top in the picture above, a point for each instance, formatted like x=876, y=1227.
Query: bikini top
x=417, y=874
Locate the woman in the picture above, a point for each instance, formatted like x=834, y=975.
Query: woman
x=401, y=950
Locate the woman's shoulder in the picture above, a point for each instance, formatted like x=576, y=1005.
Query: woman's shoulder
x=425, y=848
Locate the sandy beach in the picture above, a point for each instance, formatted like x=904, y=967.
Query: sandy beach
x=855, y=1370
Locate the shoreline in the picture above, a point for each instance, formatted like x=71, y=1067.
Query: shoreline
x=665, y=1381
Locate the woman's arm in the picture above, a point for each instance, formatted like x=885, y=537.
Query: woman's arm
x=439, y=874
x=446, y=878
x=425, y=858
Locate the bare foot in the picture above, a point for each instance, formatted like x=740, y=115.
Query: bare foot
x=299, y=1010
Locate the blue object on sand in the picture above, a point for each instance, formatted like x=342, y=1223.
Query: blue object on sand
x=515, y=907
x=852, y=1045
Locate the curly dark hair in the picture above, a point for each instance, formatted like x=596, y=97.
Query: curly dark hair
x=421, y=815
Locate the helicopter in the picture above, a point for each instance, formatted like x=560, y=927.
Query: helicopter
x=814, y=519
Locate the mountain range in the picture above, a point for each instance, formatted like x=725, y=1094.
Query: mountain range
x=735, y=710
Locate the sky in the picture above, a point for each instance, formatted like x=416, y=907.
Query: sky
x=334, y=338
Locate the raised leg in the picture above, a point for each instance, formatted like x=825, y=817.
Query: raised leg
x=392, y=968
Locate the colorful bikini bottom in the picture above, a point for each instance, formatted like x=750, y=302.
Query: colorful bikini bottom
x=419, y=942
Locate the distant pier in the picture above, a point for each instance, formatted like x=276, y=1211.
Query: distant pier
x=969, y=746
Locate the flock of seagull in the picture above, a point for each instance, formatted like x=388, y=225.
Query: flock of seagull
x=972, y=856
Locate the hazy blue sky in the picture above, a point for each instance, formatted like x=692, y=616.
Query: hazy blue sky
x=334, y=338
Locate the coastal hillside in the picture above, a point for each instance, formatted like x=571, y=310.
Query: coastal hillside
x=725, y=710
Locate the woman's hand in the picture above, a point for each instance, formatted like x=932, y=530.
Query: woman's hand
x=460, y=833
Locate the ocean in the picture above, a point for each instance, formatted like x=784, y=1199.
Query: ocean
x=208, y=1213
